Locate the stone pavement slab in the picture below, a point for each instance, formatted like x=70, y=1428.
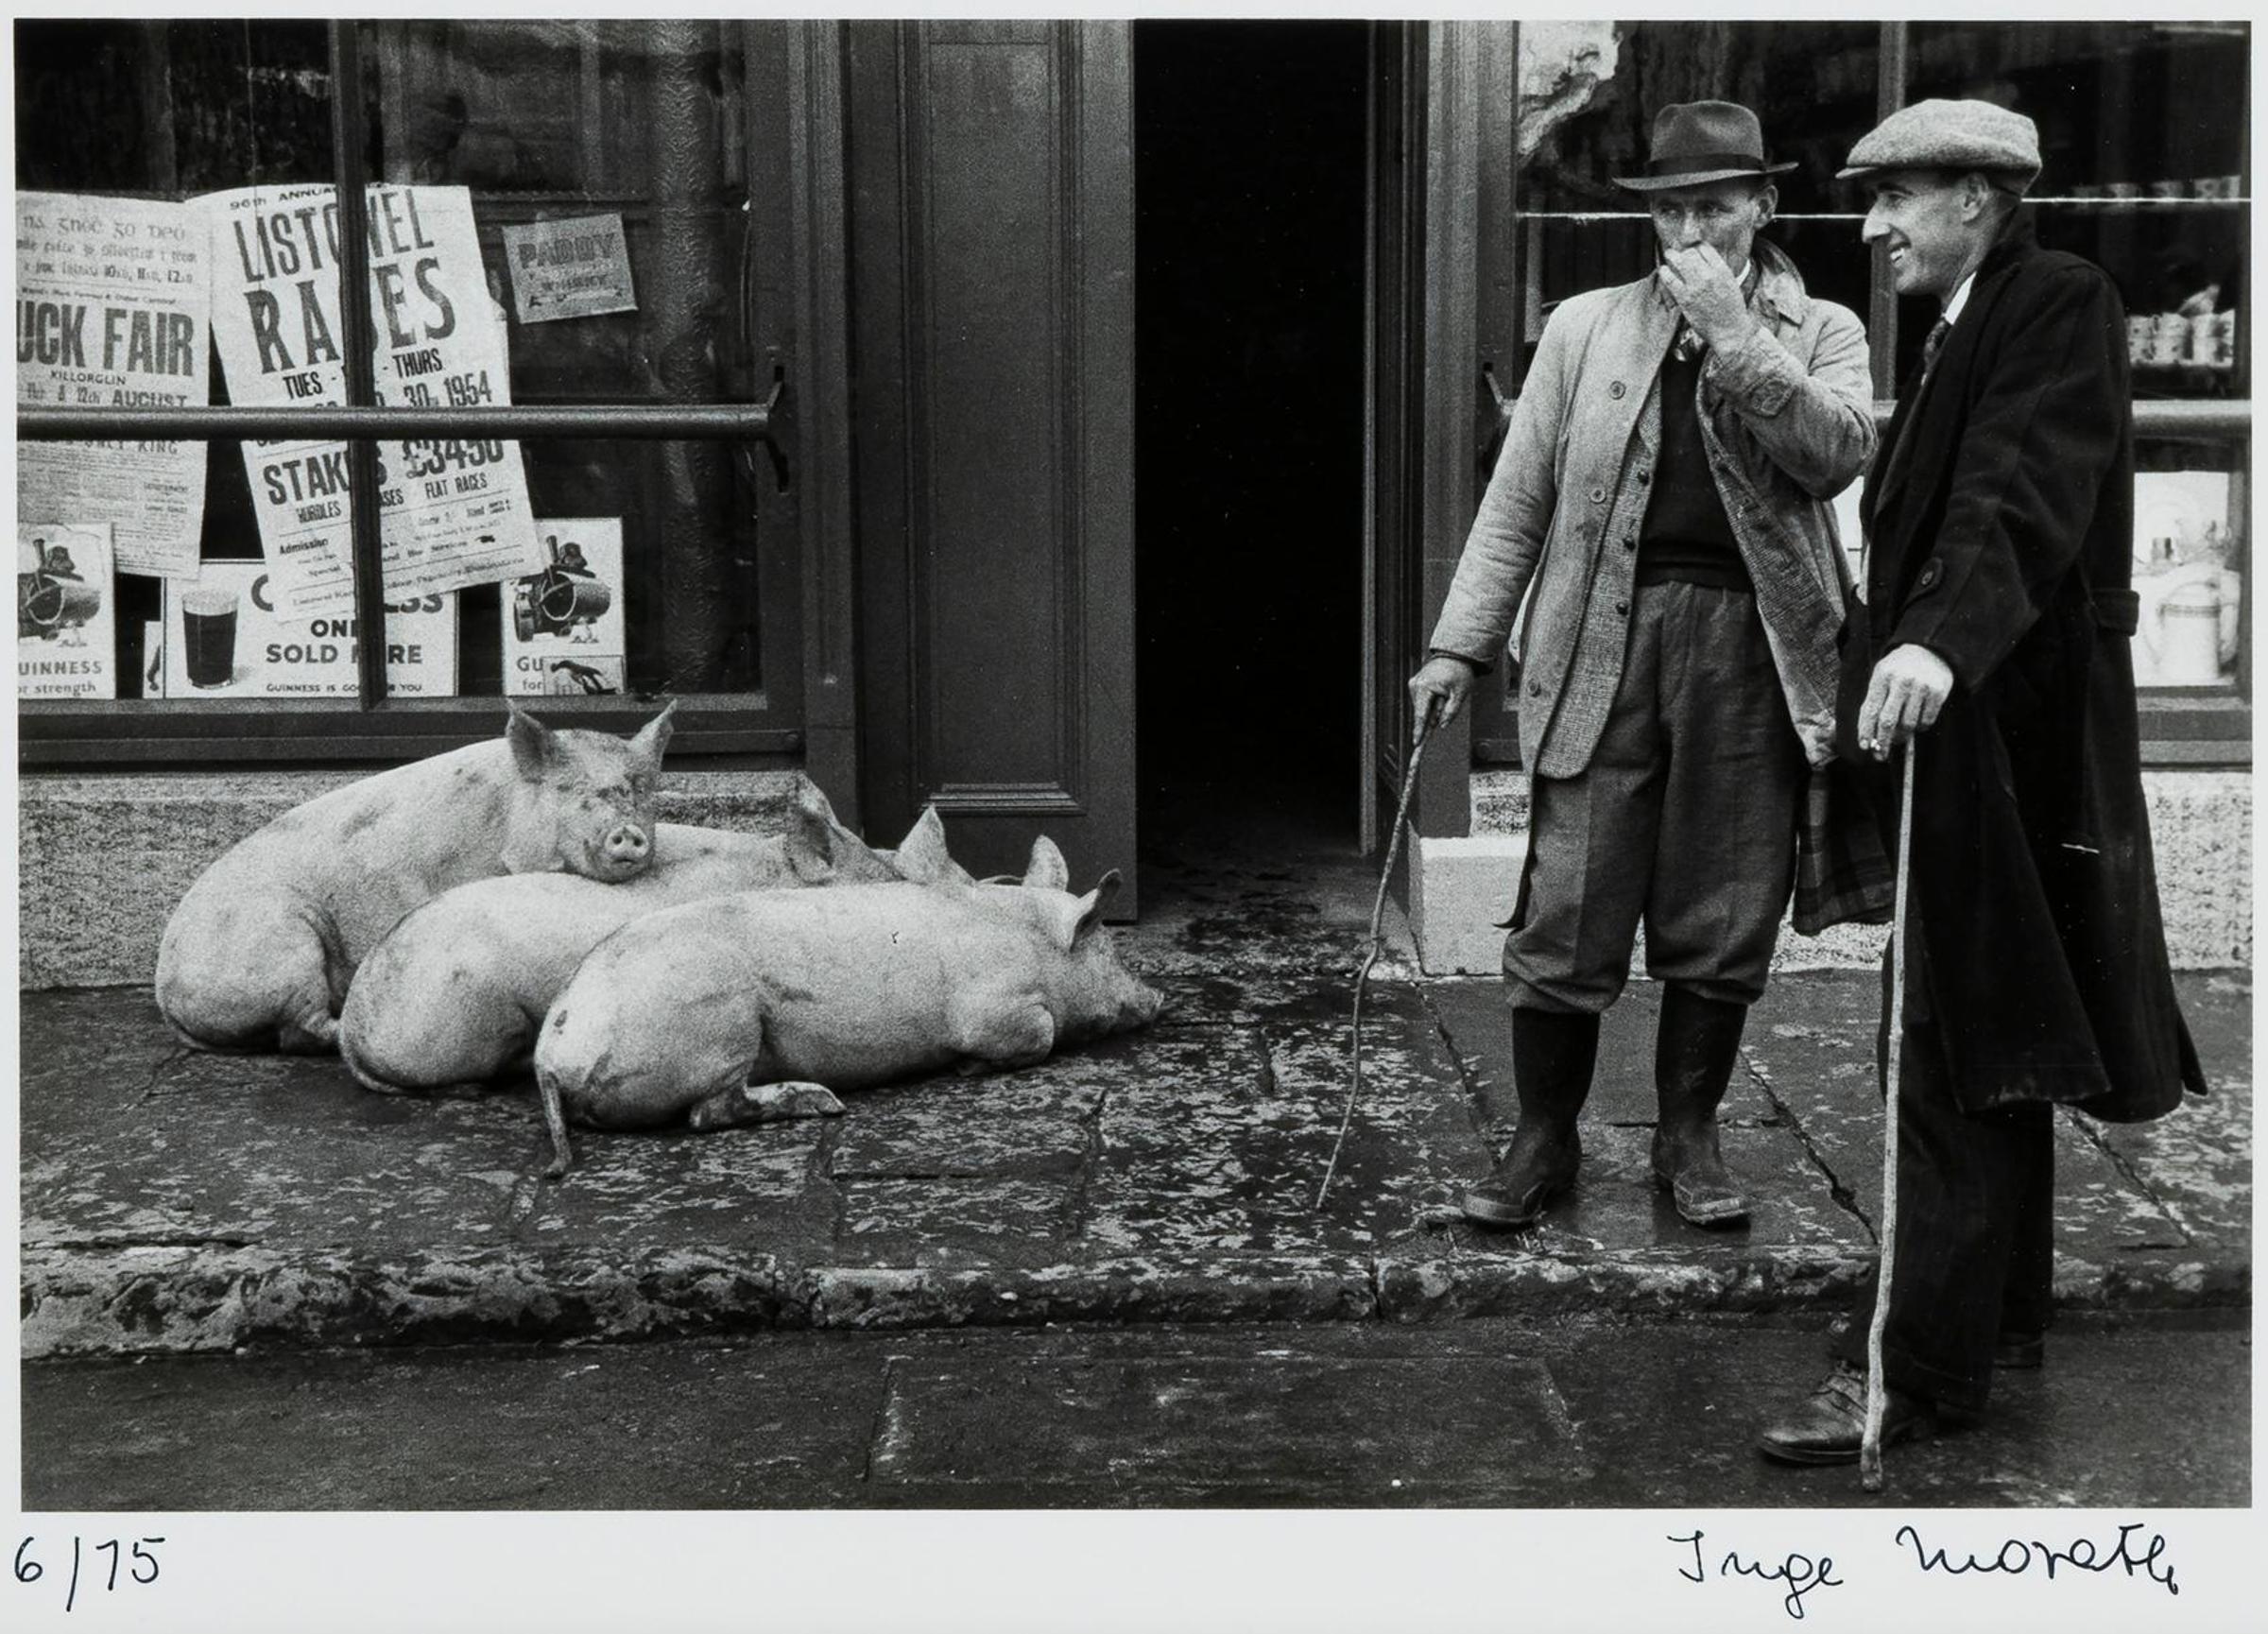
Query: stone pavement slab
x=176, y=1200
x=2197, y=1163
x=1229, y=1425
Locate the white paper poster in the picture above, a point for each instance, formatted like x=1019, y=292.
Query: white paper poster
x=575, y=267
x=114, y=299
x=66, y=611
x=452, y=512
x=563, y=626
x=227, y=636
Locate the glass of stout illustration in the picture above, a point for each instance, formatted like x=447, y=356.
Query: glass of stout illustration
x=209, y=635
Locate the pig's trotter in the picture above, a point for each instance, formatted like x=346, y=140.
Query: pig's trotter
x=314, y=1033
x=554, y=1119
x=748, y=1104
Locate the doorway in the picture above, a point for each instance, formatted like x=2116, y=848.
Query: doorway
x=1249, y=158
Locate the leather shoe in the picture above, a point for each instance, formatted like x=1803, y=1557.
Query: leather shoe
x=1693, y=1175
x=1536, y=1169
x=1829, y=1427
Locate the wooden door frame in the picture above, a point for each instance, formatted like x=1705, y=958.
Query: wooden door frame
x=805, y=335
x=1462, y=85
x=1392, y=230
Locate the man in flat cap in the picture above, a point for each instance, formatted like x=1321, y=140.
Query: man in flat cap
x=1662, y=504
x=1993, y=649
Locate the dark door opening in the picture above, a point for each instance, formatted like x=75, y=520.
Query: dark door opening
x=1249, y=155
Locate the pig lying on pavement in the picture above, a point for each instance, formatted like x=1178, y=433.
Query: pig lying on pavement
x=455, y=994
x=262, y=948
x=749, y=1008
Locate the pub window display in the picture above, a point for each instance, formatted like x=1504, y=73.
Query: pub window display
x=179, y=245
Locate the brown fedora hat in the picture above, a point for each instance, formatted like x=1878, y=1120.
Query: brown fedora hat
x=1699, y=141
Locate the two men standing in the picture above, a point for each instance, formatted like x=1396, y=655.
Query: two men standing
x=1991, y=645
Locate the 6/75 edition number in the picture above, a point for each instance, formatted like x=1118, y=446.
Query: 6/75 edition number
x=135, y=1558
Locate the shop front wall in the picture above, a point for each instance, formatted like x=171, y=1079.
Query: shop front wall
x=671, y=248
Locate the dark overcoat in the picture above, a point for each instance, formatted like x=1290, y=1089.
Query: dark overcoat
x=1999, y=520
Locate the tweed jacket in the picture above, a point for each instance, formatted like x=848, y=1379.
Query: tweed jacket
x=1788, y=422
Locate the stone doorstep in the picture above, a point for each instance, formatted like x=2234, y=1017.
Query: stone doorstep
x=186, y=1300
x=1461, y=895
x=2200, y=831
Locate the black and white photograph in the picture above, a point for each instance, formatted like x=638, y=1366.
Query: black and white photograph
x=1305, y=820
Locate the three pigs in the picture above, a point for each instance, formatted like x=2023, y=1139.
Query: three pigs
x=440, y=923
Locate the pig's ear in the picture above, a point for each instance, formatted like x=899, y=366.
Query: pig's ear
x=1095, y=901
x=530, y=740
x=847, y=858
x=1046, y=871
x=812, y=798
x=1083, y=915
x=653, y=737
x=922, y=855
x=810, y=842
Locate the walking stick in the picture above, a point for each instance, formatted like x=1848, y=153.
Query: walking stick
x=1378, y=909
x=1870, y=1444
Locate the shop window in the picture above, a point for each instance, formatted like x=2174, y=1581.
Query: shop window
x=560, y=222
x=2142, y=130
x=2143, y=134
x=1813, y=88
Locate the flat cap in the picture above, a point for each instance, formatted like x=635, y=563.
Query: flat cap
x=1940, y=134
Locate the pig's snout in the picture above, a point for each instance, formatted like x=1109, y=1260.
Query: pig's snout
x=626, y=851
x=1141, y=1008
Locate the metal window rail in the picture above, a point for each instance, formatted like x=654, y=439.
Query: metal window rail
x=2193, y=419
x=2190, y=420
x=727, y=421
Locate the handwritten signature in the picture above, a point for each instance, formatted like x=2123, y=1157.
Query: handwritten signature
x=2016, y=1556
x=1800, y=1573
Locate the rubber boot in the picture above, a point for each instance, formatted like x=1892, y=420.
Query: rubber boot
x=1552, y=1053
x=1695, y=1050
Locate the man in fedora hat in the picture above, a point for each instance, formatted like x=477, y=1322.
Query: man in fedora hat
x=1662, y=504
x=1993, y=648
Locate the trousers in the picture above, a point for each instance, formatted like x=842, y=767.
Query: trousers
x=1684, y=819
x=1976, y=1218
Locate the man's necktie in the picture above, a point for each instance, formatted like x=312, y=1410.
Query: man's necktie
x=1930, y=347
